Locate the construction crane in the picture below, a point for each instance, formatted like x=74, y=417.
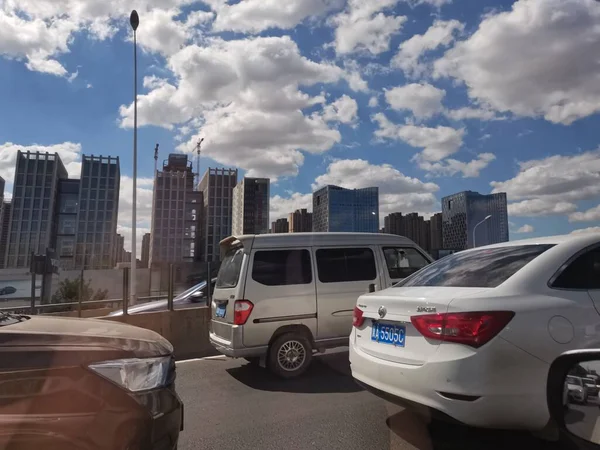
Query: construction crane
x=198, y=150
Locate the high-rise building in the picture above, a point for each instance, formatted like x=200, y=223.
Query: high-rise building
x=417, y=230
x=280, y=226
x=176, y=212
x=300, y=221
x=33, y=213
x=146, y=250
x=463, y=211
x=119, y=249
x=5, y=223
x=217, y=188
x=351, y=210
x=66, y=232
x=394, y=224
x=250, y=211
x=436, y=242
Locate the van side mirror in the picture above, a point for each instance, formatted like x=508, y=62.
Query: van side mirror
x=572, y=395
x=371, y=287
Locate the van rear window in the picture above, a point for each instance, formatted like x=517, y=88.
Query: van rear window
x=230, y=269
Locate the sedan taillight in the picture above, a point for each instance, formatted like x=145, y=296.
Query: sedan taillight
x=469, y=328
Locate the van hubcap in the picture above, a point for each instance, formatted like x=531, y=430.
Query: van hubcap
x=291, y=355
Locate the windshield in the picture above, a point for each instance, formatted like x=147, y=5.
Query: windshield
x=230, y=268
x=486, y=268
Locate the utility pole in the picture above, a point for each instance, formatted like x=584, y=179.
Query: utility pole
x=198, y=161
x=134, y=21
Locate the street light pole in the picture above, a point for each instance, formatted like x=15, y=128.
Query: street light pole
x=475, y=227
x=198, y=149
x=134, y=21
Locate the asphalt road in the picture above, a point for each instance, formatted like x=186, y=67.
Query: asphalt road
x=234, y=405
x=584, y=420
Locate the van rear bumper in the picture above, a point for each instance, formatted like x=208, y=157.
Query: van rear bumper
x=233, y=346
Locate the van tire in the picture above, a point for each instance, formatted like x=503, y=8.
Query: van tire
x=299, y=346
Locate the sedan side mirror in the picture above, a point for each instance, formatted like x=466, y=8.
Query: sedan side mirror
x=197, y=296
x=573, y=402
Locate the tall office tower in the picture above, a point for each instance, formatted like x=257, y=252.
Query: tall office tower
x=176, y=212
x=436, y=242
x=300, y=221
x=119, y=249
x=6, y=207
x=33, y=217
x=98, y=207
x=463, y=211
x=280, y=226
x=339, y=209
x=250, y=213
x=146, y=250
x=217, y=188
x=67, y=218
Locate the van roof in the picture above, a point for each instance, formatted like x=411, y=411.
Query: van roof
x=293, y=239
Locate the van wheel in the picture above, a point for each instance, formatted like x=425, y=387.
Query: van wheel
x=290, y=355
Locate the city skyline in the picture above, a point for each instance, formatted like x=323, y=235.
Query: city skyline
x=309, y=96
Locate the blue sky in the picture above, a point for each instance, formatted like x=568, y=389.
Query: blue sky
x=422, y=98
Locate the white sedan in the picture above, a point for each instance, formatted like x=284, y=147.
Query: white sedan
x=472, y=335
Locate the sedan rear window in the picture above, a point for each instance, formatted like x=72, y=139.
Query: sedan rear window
x=230, y=269
x=485, y=268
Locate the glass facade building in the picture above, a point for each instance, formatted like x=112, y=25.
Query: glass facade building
x=217, y=188
x=250, y=213
x=336, y=209
x=33, y=216
x=462, y=211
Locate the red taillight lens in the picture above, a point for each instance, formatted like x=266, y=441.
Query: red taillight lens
x=471, y=328
x=241, y=311
x=357, y=317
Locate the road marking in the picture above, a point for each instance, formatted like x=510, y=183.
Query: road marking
x=595, y=432
x=206, y=358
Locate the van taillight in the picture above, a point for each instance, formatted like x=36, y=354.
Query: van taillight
x=241, y=311
x=469, y=328
x=357, y=317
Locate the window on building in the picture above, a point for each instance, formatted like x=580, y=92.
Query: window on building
x=346, y=264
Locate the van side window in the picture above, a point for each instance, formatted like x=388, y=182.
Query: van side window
x=403, y=261
x=282, y=267
x=346, y=264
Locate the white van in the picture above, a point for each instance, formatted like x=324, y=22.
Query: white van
x=280, y=297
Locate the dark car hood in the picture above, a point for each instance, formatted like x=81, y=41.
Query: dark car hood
x=73, y=340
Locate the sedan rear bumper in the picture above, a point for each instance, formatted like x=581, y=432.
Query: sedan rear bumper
x=497, y=386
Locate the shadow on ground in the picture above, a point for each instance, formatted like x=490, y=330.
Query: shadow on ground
x=328, y=373
x=433, y=434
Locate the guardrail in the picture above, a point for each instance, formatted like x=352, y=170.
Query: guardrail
x=79, y=306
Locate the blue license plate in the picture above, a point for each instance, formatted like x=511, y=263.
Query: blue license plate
x=388, y=334
x=220, y=311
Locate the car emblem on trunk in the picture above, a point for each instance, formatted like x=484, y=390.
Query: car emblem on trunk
x=429, y=309
x=382, y=311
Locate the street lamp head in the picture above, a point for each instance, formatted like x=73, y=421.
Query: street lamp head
x=488, y=217
x=134, y=19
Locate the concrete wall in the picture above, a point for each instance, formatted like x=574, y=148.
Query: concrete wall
x=186, y=329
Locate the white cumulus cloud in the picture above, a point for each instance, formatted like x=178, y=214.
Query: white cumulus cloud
x=422, y=99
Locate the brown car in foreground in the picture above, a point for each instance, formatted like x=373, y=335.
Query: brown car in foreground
x=85, y=384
